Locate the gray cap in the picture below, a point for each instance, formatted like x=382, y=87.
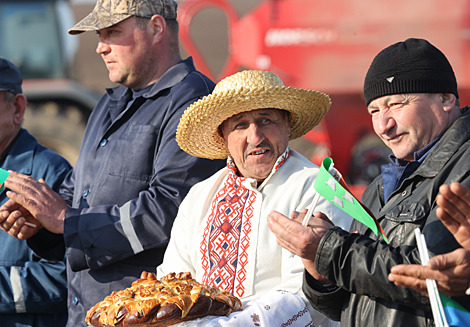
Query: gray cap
x=110, y=12
x=10, y=77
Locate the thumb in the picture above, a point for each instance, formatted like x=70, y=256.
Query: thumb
x=298, y=216
x=439, y=262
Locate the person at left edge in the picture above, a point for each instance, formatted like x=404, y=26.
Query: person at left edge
x=117, y=206
x=33, y=291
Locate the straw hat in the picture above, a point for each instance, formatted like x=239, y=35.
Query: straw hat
x=197, y=132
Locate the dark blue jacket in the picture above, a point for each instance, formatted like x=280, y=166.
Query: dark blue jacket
x=33, y=290
x=126, y=186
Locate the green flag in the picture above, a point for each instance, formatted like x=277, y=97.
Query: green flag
x=3, y=176
x=332, y=190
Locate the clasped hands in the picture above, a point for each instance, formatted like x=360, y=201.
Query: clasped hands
x=31, y=203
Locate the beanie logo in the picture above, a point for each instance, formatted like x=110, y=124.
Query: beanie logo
x=390, y=79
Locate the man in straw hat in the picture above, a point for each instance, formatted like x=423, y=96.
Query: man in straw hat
x=115, y=210
x=220, y=233
x=411, y=94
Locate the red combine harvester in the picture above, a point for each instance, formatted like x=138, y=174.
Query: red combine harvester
x=328, y=46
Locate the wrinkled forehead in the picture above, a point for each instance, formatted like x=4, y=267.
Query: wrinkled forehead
x=400, y=97
x=265, y=112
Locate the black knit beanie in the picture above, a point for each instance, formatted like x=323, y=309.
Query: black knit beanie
x=412, y=66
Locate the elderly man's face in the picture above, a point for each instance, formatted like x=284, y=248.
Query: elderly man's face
x=408, y=122
x=255, y=139
x=10, y=119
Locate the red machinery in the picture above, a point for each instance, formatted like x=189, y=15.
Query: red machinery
x=328, y=46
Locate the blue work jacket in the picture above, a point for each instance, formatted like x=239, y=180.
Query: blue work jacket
x=127, y=184
x=33, y=290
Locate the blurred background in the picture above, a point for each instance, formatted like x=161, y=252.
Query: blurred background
x=321, y=45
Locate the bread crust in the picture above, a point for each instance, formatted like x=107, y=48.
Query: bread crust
x=159, y=303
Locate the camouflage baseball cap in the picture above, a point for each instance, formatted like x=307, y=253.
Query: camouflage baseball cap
x=110, y=12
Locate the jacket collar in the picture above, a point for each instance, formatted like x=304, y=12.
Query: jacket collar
x=20, y=158
x=451, y=141
x=170, y=78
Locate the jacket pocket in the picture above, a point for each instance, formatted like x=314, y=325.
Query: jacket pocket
x=134, y=153
x=401, y=221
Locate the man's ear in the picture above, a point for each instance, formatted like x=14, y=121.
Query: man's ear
x=158, y=25
x=19, y=103
x=449, y=101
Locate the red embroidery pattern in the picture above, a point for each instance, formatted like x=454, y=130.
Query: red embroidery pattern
x=282, y=158
x=226, y=237
x=295, y=317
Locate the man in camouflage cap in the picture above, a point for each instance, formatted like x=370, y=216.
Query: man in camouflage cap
x=115, y=210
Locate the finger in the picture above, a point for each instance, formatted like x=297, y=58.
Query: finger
x=448, y=214
x=26, y=231
x=9, y=206
x=285, y=230
x=8, y=223
x=299, y=216
x=409, y=282
x=453, y=199
x=22, y=184
x=26, y=204
x=324, y=217
x=462, y=200
x=288, y=246
x=279, y=225
x=15, y=227
x=451, y=224
x=318, y=222
x=15, y=207
x=448, y=260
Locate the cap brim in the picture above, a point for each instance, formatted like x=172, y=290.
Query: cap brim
x=96, y=21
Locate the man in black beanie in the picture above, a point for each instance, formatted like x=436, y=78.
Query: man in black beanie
x=411, y=94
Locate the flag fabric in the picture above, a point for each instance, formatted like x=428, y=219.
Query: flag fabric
x=3, y=176
x=338, y=193
x=456, y=314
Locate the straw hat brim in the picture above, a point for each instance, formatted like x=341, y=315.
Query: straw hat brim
x=197, y=132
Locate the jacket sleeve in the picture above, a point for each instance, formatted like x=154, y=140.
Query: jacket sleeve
x=98, y=236
x=327, y=300
x=39, y=286
x=361, y=265
x=67, y=188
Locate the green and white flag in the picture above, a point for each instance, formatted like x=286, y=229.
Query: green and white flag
x=337, y=193
x=3, y=176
